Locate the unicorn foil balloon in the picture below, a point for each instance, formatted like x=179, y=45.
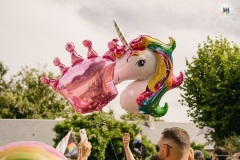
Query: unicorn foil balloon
x=88, y=84
x=148, y=61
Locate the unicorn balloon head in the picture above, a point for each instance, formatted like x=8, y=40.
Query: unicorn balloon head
x=148, y=61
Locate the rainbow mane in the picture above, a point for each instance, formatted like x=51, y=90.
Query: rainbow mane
x=163, y=80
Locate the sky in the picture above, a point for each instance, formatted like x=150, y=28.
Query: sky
x=35, y=32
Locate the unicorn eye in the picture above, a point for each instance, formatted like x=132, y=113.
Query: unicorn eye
x=141, y=62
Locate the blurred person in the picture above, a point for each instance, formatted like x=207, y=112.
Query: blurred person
x=174, y=144
x=198, y=155
x=220, y=153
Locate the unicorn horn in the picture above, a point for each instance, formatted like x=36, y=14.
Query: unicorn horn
x=122, y=36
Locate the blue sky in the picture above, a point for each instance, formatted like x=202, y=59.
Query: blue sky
x=34, y=32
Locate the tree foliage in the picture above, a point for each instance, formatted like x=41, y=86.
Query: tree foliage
x=27, y=97
x=232, y=144
x=3, y=82
x=133, y=117
x=200, y=147
x=104, y=132
x=139, y=117
x=211, y=87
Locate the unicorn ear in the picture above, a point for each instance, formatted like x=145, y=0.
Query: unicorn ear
x=122, y=36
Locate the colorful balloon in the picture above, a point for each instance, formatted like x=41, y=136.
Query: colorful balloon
x=149, y=62
x=88, y=84
x=29, y=150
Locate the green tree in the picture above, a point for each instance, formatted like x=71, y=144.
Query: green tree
x=139, y=117
x=232, y=144
x=211, y=88
x=3, y=82
x=200, y=147
x=28, y=98
x=133, y=117
x=104, y=132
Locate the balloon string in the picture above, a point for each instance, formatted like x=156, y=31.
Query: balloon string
x=113, y=149
x=110, y=138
